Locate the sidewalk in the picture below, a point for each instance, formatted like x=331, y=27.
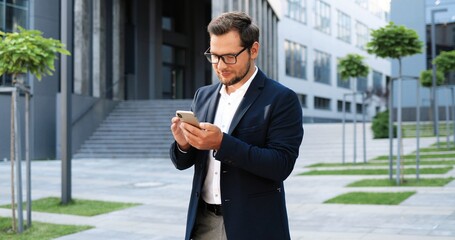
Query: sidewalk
x=163, y=192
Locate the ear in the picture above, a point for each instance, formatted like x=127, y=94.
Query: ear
x=254, y=51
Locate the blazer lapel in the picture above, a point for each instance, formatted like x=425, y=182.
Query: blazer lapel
x=250, y=96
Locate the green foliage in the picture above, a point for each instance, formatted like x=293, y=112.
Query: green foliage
x=426, y=78
x=445, y=61
x=79, y=207
x=380, y=125
x=424, y=182
x=393, y=41
x=27, y=50
x=376, y=171
x=41, y=231
x=380, y=198
x=352, y=66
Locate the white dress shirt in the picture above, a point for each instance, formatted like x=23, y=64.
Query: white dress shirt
x=227, y=106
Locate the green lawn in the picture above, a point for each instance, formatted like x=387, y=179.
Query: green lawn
x=383, y=163
x=426, y=129
x=413, y=156
x=39, y=231
x=435, y=149
x=76, y=207
x=379, y=198
x=422, y=182
x=53, y=205
x=441, y=170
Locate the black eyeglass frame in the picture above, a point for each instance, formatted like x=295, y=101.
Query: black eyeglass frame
x=209, y=55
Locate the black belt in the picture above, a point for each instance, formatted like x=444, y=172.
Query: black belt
x=214, y=208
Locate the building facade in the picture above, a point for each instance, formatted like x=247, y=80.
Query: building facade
x=417, y=15
x=122, y=50
x=135, y=49
x=314, y=34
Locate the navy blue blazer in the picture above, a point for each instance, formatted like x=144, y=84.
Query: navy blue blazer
x=257, y=155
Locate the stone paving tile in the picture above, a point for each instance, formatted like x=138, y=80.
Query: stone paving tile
x=163, y=192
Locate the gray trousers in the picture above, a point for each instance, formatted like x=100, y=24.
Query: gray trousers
x=208, y=226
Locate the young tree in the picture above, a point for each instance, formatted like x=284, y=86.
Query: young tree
x=22, y=52
x=352, y=66
x=445, y=61
x=426, y=78
x=396, y=42
x=393, y=41
x=28, y=51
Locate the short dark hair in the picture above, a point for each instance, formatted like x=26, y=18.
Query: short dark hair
x=237, y=21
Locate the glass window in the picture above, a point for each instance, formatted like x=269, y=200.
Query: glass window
x=343, y=83
x=296, y=9
x=19, y=3
x=377, y=82
x=362, y=83
x=295, y=59
x=321, y=67
x=340, y=106
x=362, y=33
x=344, y=27
x=2, y=16
x=359, y=108
x=13, y=13
x=322, y=14
x=321, y=103
x=362, y=3
x=302, y=98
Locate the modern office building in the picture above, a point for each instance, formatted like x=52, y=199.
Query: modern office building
x=420, y=15
x=121, y=50
x=138, y=50
x=313, y=35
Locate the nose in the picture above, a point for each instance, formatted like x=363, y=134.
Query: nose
x=221, y=64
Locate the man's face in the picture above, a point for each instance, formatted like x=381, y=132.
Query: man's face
x=231, y=74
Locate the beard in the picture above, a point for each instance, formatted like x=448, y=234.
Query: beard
x=236, y=79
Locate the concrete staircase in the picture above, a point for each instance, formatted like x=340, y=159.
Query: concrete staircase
x=134, y=130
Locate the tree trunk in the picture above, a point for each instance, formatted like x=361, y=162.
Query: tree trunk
x=12, y=155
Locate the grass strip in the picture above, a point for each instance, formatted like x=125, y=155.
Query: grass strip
x=426, y=130
x=442, y=170
x=381, y=163
x=441, y=149
x=378, y=198
x=423, y=182
x=413, y=156
x=41, y=231
x=76, y=206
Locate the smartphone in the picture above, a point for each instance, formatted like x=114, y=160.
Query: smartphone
x=188, y=117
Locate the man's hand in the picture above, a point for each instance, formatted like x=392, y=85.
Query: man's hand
x=206, y=137
x=178, y=134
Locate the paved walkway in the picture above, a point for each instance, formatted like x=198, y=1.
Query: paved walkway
x=163, y=192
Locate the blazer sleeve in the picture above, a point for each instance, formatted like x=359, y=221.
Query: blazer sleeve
x=276, y=158
x=181, y=160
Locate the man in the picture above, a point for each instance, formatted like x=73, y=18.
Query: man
x=246, y=144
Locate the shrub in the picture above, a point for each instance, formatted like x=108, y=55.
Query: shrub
x=380, y=125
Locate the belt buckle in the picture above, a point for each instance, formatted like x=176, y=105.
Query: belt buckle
x=217, y=210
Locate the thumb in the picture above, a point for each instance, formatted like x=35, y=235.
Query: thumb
x=206, y=126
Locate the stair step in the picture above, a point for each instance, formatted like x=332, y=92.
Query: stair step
x=134, y=129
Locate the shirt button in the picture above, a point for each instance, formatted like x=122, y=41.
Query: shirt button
x=216, y=173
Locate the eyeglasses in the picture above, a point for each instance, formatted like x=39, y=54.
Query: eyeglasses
x=227, y=58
